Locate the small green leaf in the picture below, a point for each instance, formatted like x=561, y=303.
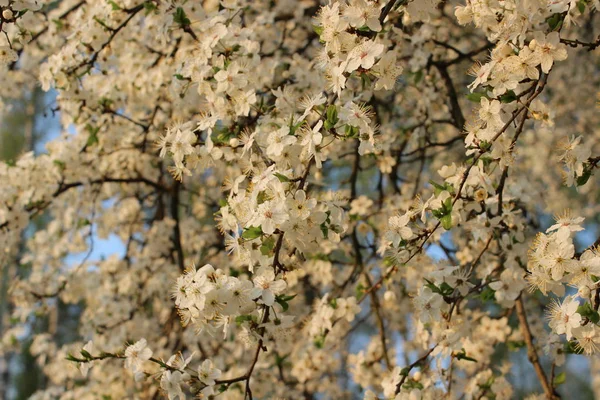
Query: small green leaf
x=514, y=345
x=93, y=137
x=359, y=291
x=281, y=177
x=463, y=356
x=282, y=300
x=181, y=18
x=446, y=221
x=583, y=178
x=487, y=294
x=560, y=379
x=86, y=354
x=252, y=233
x=149, y=6
x=446, y=289
x=267, y=247
x=332, y=114
x=319, y=341
x=475, y=97
x=115, y=6
x=351, y=131
x=508, y=97
x=83, y=222
x=60, y=164
x=555, y=21
x=240, y=319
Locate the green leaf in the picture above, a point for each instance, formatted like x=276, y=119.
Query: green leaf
x=93, y=137
x=433, y=287
x=287, y=297
x=583, y=178
x=488, y=294
x=475, y=97
x=485, y=145
x=319, y=341
x=359, y=291
x=351, y=131
x=514, y=345
x=115, y=6
x=252, y=233
x=318, y=29
x=437, y=186
x=555, y=21
x=560, y=379
x=587, y=311
x=282, y=300
x=59, y=24
x=240, y=319
x=86, y=354
x=324, y=229
x=446, y=221
x=332, y=114
x=21, y=13
x=149, y=6
x=60, y=164
x=181, y=18
x=281, y=177
x=581, y=6
x=279, y=360
x=179, y=77
x=418, y=76
x=508, y=97
x=463, y=356
x=267, y=247
x=83, y=222
x=446, y=289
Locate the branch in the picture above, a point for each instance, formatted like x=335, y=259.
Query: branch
x=531, y=351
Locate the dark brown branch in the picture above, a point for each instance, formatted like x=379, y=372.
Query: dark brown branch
x=532, y=352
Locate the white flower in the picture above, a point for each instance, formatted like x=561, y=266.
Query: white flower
x=489, y=112
x=347, y=308
x=136, y=354
x=429, y=305
x=563, y=317
x=207, y=373
x=279, y=140
x=266, y=287
x=269, y=216
x=548, y=49
x=7, y=55
x=170, y=382
x=363, y=55
x=399, y=229
x=588, y=339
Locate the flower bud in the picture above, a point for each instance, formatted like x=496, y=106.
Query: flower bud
x=389, y=296
x=7, y=14
x=584, y=292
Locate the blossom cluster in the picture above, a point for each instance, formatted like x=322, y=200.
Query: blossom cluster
x=366, y=220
